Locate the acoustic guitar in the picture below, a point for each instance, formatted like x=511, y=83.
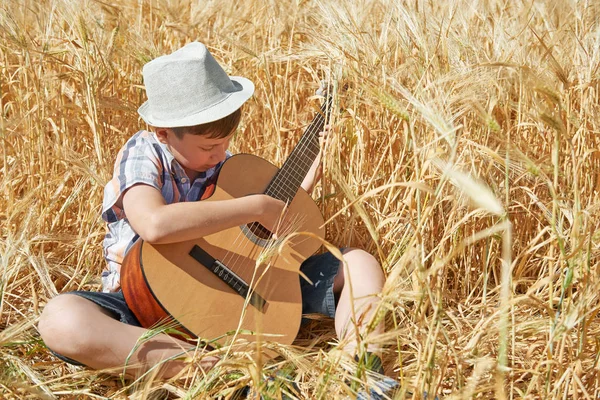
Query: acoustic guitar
x=242, y=282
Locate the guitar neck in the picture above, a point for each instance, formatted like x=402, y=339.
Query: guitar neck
x=288, y=179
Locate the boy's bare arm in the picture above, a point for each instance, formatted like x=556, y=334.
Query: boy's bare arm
x=315, y=172
x=313, y=175
x=158, y=222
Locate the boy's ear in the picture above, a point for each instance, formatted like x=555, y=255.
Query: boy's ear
x=162, y=134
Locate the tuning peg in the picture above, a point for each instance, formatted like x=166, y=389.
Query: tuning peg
x=324, y=88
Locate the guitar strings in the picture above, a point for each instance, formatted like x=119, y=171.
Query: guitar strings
x=280, y=187
x=305, y=145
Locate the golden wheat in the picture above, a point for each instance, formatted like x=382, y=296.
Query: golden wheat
x=464, y=156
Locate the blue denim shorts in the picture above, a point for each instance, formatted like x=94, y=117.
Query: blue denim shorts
x=317, y=298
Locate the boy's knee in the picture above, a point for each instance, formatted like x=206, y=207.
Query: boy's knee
x=60, y=322
x=364, y=266
x=355, y=253
x=361, y=259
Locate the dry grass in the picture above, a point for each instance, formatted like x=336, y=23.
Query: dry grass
x=465, y=157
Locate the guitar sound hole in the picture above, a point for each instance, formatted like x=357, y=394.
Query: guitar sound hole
x=259, y=230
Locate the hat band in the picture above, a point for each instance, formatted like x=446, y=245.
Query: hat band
x=163, y=112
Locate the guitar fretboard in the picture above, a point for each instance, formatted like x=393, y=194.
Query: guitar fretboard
x=288, y=179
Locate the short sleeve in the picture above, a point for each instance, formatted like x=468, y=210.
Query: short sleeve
x=139, y=161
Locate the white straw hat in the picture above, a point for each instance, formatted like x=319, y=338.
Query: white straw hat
x=188, y=87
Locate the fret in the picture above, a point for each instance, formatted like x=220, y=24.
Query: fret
x=285, y=190
x=290, y=185
x=288, y=179
x=302, y=163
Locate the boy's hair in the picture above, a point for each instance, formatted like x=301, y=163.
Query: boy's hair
x=213, y=130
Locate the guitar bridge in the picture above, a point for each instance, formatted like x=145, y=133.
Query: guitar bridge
x=229, y=277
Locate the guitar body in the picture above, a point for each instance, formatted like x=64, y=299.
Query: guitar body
x=197, y=284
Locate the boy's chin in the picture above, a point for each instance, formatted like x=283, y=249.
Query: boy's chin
x=201, y=170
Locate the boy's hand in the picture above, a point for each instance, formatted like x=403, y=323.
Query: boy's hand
x=270, y=212
x=323, y=136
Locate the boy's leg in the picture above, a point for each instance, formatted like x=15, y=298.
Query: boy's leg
x=81, y=330
x=357, y=287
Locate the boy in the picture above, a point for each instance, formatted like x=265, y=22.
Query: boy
x=194, y=108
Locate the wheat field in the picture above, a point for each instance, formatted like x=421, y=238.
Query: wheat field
x=464, y=155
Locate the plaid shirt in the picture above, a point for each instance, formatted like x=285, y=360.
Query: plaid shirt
x=145, y=160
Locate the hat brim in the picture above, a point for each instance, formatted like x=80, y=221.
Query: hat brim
x=217, y=111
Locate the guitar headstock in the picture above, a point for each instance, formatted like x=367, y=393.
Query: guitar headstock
x=329, y=88
x=326, y=88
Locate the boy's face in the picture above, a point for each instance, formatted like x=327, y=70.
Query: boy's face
x=195, y=153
